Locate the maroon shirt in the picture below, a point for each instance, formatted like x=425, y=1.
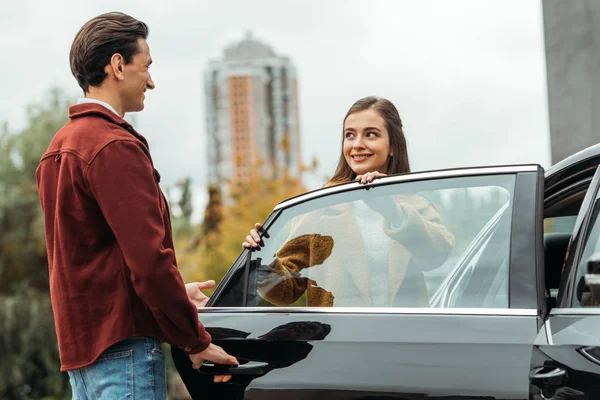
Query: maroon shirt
x=113, y=273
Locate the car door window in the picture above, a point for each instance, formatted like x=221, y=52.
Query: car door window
x=583, y=296
x=436, y=243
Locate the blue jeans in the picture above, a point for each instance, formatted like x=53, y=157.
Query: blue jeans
x=132, y=369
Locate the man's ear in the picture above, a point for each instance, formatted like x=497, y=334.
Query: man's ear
x=116, y=66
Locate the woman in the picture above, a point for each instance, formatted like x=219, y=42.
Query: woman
x=409, y=232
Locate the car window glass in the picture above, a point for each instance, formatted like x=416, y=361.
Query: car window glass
x=557, y=234
x=583, y=296
x=436, y=243
x=560, y=224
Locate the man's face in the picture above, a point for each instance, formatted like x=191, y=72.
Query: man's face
x=137, y=79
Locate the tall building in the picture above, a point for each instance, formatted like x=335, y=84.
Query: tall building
x=571, y=32
x=251, y=113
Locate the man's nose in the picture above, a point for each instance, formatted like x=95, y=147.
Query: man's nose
x=150, y=84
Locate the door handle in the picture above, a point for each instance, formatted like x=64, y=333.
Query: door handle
x=548, y=379
x=250, y=368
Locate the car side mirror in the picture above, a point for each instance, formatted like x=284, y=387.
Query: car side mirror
x=592, y=278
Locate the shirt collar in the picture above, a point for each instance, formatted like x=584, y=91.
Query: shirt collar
x=102, y=103
x=92, y=108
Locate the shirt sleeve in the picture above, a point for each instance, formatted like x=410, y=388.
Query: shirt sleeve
x=121, y=179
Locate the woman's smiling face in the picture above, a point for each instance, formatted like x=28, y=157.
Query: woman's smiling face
x=366, y=142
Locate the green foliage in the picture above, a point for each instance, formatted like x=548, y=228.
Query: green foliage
x=29, y=367
x=181, y=218
x=185, y=200
x=22, y=247
x=30, y=363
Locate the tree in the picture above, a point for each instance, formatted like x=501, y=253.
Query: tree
x=185, y=200
x=22, y=246
x=212, y=214
x=218, y=240
x=182, y=216
x=30, y=366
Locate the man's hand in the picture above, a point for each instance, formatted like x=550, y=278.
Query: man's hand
x=217, y=355
x=194, y=292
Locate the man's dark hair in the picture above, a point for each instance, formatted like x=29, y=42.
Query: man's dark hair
x=98, y=40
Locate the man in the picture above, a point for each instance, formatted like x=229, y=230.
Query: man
x=115, y=288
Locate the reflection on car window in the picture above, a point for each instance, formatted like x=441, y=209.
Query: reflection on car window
x=560, y=224
x=437, y=243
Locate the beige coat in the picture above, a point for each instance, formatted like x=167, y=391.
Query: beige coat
x=344, y=270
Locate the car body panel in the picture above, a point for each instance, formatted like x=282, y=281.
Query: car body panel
x=572, y=345
x=379, y=352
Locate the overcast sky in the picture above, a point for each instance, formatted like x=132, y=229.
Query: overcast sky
x=468, y=76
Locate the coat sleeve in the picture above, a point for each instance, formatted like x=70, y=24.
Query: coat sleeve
x=121, y=180
x=422, y=234
x=283, y=284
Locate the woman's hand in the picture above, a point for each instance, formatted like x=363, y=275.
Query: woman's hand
x=368, y=177
x=253, y=240
x=388, y=209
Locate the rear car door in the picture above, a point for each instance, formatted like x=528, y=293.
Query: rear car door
x=566, y=359
x=419, y=286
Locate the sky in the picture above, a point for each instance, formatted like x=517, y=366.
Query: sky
x=467, y=76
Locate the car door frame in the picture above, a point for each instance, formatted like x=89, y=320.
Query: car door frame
x=578, y=240
x=524, y=281
x=561, y=354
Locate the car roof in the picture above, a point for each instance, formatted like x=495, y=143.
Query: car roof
x=589, y=153
x=577, y=167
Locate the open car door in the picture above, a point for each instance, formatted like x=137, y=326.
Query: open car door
x=566, y=359
x=346, y=300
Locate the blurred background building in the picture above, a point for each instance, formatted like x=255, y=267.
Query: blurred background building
x=251, y=113
x=572, y=38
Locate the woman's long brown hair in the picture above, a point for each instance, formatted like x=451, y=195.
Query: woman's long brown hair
x=398, y=163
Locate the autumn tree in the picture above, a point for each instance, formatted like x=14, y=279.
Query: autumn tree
x=218, y=241
x=213, y=214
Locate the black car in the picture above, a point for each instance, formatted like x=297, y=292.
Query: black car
x=465, y=283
